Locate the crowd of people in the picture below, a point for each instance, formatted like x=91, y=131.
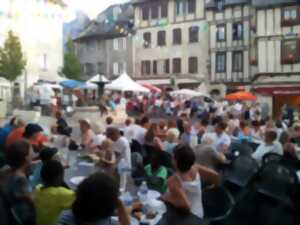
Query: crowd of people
x=179, y=157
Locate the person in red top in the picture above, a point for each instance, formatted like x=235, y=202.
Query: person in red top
x=32, y=133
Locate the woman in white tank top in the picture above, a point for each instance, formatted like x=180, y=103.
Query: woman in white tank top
x=184, y=188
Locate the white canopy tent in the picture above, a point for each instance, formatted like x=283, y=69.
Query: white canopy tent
x=98, y=78
x=125, y=83
x=187, y=93
x=88, y=86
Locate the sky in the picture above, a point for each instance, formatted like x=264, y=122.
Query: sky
x=91, y=7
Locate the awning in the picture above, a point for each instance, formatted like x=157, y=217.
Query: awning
x=293, y=90
x=167, y=81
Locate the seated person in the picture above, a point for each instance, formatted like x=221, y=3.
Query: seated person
x=52, y=198
x=62, y=126
x=184, y=188
x=107, y=156
x=15, y=185
x=270, y=145
x=45, y=155
x=86, y=134
x=95, y=203
x=207, y=155
x=171, y=140
x=156, y=174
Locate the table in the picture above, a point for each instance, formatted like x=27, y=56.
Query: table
x=173, y=216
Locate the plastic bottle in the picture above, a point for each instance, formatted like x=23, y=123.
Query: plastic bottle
x=143, y=192
x=123, y=169
x=127, y=200
x=193, y=139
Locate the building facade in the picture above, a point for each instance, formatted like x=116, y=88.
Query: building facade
x=231, y=46
x=39, y=25
x=278, y=52
x=106, y=45
x=170, y=41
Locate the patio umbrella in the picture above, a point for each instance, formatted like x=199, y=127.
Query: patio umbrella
x=241, y=95
x=152, y=88
x=71, y=83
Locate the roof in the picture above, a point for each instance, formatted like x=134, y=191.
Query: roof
x=134, y=2
x=106, y=26
x=212, y=3
x=266, y=3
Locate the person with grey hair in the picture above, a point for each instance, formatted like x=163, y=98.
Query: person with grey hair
x=172, y=139
x=207, y=155
x=120, y=145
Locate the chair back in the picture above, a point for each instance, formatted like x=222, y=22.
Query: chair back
x=276, y=181
x=271, y=157
x=238, y=148
x=217, y=203
x=241, y=171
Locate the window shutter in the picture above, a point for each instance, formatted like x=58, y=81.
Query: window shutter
x=116, y=68
x=124, y=43
x=116, y=43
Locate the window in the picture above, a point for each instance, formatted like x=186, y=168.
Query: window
x=89, y=69
x=167, y=66
x=221, y=32
x=164, y=9
x=220, y=5
x=179, y=7
x=237, y=61
x=100, y=68
x=290, y=51
x=147, y=40
x=221, y=62
x=161, y=38
x=122, y=67
x=290, y=16
x=193, y=65
x=145, y=12
x=154, y=67
x=116, y=44
x=116, y=68
x=191, y=6
x=146, y=67
x=45, y=62
x=237, y=31
x=176, y=65
x=120, y=43
x=177, y=36
x=194, y=34
x=154, y=11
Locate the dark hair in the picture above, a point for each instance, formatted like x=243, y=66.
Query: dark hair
x=52, y=173
x=256, y=123
x=144, y=120
x=109, y=120
x=271, y=135
x=96, y=198
x=222, y=125
x=185, y=157
x=16, y=153
x=205, y=122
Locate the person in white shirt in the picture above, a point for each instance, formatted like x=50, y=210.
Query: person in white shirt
x=270, y=145
x=98, y=137
x=120, y=145
x=221, y=140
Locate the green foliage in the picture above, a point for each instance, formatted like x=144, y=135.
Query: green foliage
x=72, y=67
x=12, y=60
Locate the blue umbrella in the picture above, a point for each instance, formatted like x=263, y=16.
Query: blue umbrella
x=71, y=83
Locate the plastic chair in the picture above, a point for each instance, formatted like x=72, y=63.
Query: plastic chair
x=277, y=182
x=241, y=171
x=238, y=148
x=271, y=157
x=217, y=204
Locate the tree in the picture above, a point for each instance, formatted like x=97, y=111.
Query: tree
x=12, y=60
x=72, y=67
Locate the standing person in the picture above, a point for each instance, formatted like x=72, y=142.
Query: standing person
x=62, y=125
x=120, y=145
x=184, y=188
x=52, y=198
x=16, y=185
x=87, y=208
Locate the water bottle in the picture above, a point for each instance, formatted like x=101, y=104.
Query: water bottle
x=143, y=192
x=122, y=169
x=193, y=139
x=127, y=200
